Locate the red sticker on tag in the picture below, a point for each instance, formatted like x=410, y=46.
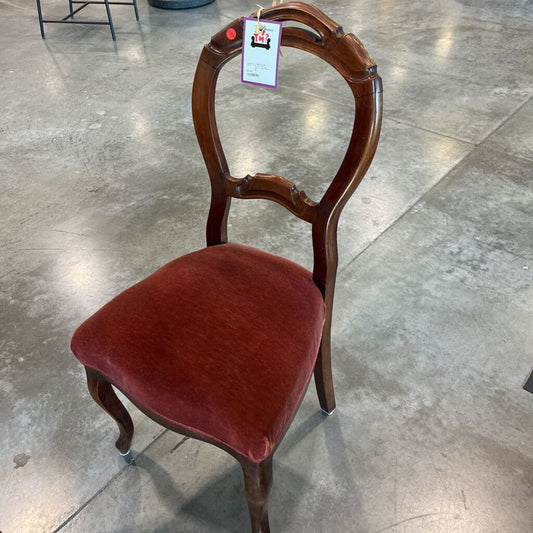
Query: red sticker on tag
x=231, y=34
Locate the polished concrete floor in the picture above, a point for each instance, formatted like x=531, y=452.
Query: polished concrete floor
x=101, y=181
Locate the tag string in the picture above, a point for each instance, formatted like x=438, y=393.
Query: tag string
x=259, y=25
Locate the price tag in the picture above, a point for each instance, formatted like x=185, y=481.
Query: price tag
x=261, y=41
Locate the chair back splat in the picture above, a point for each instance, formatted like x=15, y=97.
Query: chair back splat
x=170, y=343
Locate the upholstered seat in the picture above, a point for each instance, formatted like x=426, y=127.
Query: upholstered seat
x=211, y=326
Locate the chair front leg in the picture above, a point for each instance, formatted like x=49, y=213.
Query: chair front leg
x=103, y=394
x=258, y=484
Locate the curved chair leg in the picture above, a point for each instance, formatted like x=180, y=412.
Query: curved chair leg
x=104, y=395
x=324, y=377
x=258, y=484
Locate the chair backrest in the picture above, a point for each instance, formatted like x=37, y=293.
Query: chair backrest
x=348, y=56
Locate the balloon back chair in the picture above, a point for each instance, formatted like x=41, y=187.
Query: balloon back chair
x=220, y=344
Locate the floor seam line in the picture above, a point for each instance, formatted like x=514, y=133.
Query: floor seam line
x=446, y=135
x=107, y=484
x=502, y=151
x=408, y=210
x=506, y=119
x=318, y=96
x=385, y=115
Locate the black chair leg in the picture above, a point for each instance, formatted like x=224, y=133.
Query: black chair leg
x=40, y=13
x=136, y=10
x=111, y=27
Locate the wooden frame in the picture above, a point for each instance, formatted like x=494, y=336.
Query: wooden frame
x=347, y=55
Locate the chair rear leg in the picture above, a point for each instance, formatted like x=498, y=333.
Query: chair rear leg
x=104, y=395
x=258, y=484
x=324, y=376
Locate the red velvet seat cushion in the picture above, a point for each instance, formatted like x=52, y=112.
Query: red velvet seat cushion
x=221, y=341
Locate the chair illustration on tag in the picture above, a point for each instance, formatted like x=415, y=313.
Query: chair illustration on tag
x=221, y=344
x=260, y=43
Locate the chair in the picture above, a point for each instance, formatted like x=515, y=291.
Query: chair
x=69, y=19
x=220, y=344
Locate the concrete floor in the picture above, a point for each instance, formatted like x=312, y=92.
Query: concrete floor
x=102, y=181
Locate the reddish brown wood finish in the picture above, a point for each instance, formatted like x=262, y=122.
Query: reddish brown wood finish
x=103, y=394
x=258, y=484
x=348, y=56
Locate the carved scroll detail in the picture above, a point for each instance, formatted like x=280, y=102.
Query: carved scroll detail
x=275, y=188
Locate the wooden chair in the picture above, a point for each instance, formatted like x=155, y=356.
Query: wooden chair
x=220, y=344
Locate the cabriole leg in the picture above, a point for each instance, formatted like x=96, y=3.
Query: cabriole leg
x=258, y=484
x=104, y=395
